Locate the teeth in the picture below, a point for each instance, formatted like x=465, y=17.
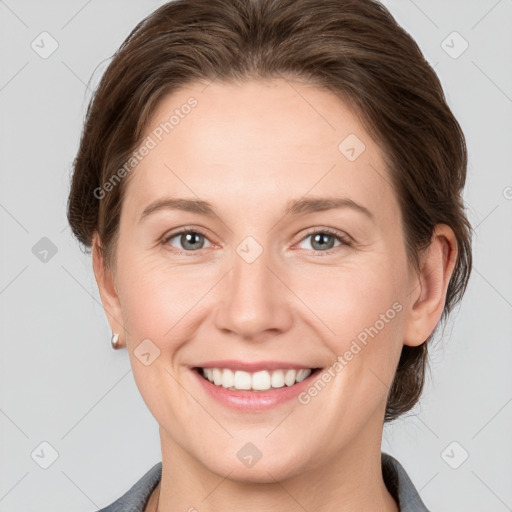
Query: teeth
x=277, y=379
x=289, y=377
x=303, y=374
x=257, y=381
x=242, y=380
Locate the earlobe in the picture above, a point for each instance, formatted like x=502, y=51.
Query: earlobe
x=428, y=291
x=107, y=288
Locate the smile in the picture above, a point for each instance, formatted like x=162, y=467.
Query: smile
x=256, y=381
x=253, y=391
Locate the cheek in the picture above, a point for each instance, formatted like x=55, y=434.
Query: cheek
x=361, y=308
x=349, y=299
x=157, y=299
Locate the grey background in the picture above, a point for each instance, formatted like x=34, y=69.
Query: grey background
x=60, y=381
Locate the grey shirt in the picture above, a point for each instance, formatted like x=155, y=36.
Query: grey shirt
x=396, y=479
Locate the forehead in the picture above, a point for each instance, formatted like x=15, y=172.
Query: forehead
x=259, y=139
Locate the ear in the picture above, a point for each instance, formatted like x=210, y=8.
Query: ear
x=107, y=288
x=429, y=286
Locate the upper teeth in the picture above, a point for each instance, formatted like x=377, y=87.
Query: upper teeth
x=258, y=381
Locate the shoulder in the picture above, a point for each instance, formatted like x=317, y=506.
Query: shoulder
x=400, y=485
x=136, y=498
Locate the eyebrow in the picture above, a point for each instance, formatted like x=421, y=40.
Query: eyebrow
x=294, y=207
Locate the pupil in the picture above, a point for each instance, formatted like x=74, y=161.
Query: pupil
x=189, y=239
x=321, y=237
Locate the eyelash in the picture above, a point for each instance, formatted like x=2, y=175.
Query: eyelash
x=345, y=240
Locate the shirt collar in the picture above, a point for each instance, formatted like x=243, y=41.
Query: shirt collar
x=400, y=485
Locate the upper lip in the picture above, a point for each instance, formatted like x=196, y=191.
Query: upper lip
x=253, y=366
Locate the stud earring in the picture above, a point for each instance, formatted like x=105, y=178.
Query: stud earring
x=115, y=341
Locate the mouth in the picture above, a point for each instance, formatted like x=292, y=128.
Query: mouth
x=262, y=381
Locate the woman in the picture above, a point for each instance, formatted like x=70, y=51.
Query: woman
x=262, y=131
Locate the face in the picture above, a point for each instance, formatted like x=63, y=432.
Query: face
x=298, y=259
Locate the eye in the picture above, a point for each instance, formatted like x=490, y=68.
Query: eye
x=323, y=240
x=190, y=240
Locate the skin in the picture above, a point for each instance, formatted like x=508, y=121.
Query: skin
x=248, y=149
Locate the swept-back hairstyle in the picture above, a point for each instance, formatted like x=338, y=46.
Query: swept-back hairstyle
x=353, y=48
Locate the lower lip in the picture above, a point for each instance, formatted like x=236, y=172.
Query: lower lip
x=254, y=400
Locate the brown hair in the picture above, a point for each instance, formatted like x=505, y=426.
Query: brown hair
x=353, y=48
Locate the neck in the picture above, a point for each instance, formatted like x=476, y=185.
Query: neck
x=349, y=480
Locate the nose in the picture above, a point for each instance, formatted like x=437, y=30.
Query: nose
x=255, y=302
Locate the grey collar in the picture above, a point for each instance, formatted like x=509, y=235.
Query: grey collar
x=400, y=485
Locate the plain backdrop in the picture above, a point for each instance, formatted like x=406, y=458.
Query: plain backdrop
x=69, y=402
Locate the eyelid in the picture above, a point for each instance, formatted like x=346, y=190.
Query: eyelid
x=183, y=229
x=344, y=237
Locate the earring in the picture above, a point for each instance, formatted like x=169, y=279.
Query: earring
x=115, y=341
